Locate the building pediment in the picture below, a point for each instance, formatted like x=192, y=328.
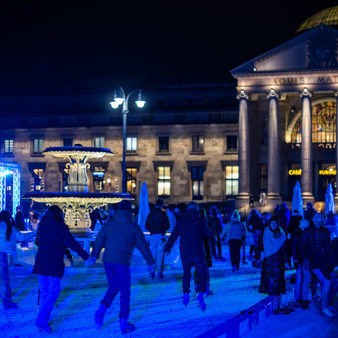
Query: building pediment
x=316, y=49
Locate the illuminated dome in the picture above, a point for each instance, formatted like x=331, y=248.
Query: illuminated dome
x=328, y=16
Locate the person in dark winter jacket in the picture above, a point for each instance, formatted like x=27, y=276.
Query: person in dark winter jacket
x=315, y=250
x=297, y=227
x=284, y=217
x=53, y=236
x=208, y=258
x=216, y=227
x=119, y=237
x=309, y=212
x=273, y=257
x=254, y=225
x=158, y=224
x=192, y=231
x=19, y=219
x=236, y=233
x=94, y=217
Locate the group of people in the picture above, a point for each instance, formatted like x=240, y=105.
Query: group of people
x=277, y=238
x=304, y=240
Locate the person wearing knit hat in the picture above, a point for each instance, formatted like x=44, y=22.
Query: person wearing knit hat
x=315, y=249
x=273, y=257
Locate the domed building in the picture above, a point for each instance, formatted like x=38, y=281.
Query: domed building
x=328, y=17
x=290, y=92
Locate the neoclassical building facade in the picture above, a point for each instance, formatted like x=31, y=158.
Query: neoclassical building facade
x=287, y=119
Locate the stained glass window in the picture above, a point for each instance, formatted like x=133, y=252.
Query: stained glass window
x=323, y=124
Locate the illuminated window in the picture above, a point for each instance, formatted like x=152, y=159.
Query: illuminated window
x=131, y=180
x=37, y=145
x=197, y=144
x=8, y=146
x=131, y=144
x=231, y=180
x=163, y=181
x=323, y=125
x=231, y=143
x=98, y=179
x=163, y=144
x=99, y=141
x=37, y=182
x=197, y=183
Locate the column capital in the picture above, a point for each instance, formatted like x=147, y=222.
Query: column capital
x=305, y=93
x=272, y=94
x=242, y=95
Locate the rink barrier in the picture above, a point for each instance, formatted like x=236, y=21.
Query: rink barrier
x=250, y=318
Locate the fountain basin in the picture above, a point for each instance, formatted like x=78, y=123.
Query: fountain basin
x=77, y=206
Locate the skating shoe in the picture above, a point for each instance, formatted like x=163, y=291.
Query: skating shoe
x=43, y=327
x=99, y=314
x=10, y=305
x=305, y=304
x=152, y=275
x=126, y=327
x=327, y=312
x=186, y=299
x=201, y=301
x=221, y=258
x=160, y=275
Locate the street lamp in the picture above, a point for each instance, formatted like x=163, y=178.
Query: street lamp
x=124, y=100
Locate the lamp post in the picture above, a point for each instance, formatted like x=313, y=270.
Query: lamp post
x=124, y=100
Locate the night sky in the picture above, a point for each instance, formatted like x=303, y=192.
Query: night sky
x=50, y=46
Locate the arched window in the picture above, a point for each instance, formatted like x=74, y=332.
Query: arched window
x=323, y=124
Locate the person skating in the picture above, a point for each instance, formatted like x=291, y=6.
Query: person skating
x=296, y=227
x=9, y=235
x=216, y=226
x=119, y=237
x=315, y=250
x=158, y=224
x=192, y=231
x=236, y=232
x=208, y=257
x=254, y=225
x=53, y=236
x=273, y=256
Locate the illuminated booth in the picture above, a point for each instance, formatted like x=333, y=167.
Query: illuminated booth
x=10, y=176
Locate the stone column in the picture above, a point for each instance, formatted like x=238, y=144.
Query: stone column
x=306, y=150
x=243, y=197
x=273, y=150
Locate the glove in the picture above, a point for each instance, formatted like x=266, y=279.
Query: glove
x=287, y=266
x=91, y=260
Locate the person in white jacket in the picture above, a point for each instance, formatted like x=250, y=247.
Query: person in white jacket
x=9, y=235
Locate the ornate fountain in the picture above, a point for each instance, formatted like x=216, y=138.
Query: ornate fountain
x=77, y=203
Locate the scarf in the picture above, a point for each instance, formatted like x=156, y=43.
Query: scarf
x=272, y=241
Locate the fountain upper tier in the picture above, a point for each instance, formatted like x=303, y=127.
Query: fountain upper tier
x=77, y=165
x=77, y=202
